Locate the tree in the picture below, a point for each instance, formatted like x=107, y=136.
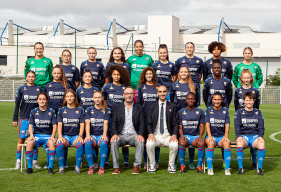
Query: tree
x=274, y=79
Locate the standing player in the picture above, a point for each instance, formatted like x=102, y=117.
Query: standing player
x=71, y=72
x=70, y=129
x=217, y=126
x=195, y=64
x=191, y=118
x=249, y=129
x=95, y=67
x=216, y=48
x=248, y=64
x=41, y=65
x=26, y=100
x=42, y=129
x=97, y=119
x=117, y=57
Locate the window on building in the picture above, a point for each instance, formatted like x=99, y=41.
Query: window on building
x=3, y=59
x=244, y=45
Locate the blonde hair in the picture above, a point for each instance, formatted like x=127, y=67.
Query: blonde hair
x=103, y=106
x=249, y=72
x=189, y=79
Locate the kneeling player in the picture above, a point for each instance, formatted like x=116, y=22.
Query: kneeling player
x=249, y=129
x=191, y=118
x=42, y=129
x=217, y=126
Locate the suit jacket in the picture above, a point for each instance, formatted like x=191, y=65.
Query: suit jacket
x=118, y=119
x=172, y=118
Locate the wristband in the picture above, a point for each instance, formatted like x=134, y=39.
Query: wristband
x=81, y=136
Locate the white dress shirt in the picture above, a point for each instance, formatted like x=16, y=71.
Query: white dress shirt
x=157, y=130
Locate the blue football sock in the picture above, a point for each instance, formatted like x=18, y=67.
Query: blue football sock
x=18, y=154
x=89, y=152
x=210, y=157
x=227, y=158
x=47, y=154
x=240, y=156
x=103, y=152
x=261, y=155
x=182, y=152
x=191, y=152
x=157, y=154
x=29, y=158
x=96, y=154
x=52, y=154
x=79, y=153
x=145, y=154
x=60, y=153
x=254, y=154
x=201, y=153
x=35, y=153
x=65, y=150
x=125, y=151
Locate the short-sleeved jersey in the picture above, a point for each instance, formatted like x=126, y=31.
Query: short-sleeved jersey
x=249, y=122
x=42, y=68
x=97, y=118
x=217, y=119
x=191, y=120
x=125, y=65
x=137, y=64
x=97, y=70
x=85, y=96
x=226, y=68
x=256, y=72
x=238, y=97
x=26, y=100
x=55, y=91
x=146, y=96
x=70, y=119
x=194, y=64
x=43, y=121
x=113, y=94
x=179, y=91
x=165, y=73
x=222, y=85
x=72, y=75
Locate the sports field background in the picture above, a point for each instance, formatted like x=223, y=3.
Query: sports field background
x=162, y=180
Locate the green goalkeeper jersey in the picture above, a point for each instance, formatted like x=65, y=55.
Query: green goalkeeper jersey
x=254, y=68
x=137, y=64
x=42, y=68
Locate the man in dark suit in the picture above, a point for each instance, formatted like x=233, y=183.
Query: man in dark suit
x=127, y=128
x=163, y=127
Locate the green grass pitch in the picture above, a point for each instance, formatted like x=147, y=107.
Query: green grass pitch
x=14, y=180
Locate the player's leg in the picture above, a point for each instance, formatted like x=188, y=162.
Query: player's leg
x=103, y=154
x=23, y=134
x=52, y=153
x=29, y=155
x=89, y=152
x=225, y=144
x=60, y=153
x=258, y=143
x=79, y=153
x=200, y=144
x=241, y=143
x=210, y=154
x=182, y=153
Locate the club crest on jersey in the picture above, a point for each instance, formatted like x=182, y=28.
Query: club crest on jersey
x=225, y=83
x=243, y=113
x=255, y=67
x=45, y=61
x=170, y=65
x=197, y=61
x=38, y=89
x=77, y=112
x=134, y=59
x=197, y=112
x=211, y=112
x=124, y=67
x=86, y=64
x=257, y=112
x=50, y=113
x=98, y=65
x=224, y=62
x=224, y=112
x=73, y=68
x=146, y=58
x=111, y=87
x=253, y=92
x=184, y=112
x=123, y=88
x=109, y=111
x=183, y=61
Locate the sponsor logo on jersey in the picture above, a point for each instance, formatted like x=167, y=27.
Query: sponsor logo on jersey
x=244, y=120
x=212, y=91
x=134, y=66
x=25, y=97
x=77, y=112
x=197, y=61
x=212, y=120
x=93, y=120
x=64, y=120
x=184, y=122
x=36, y=121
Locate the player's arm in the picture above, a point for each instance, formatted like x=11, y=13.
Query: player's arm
x=139, y=96
x=26, y=68
x=202, y=125
x=82, y=126
x=55, y=127
x=197, y=94
x=229, y=71
x=172, y=94
x=259, y=75
x=50, y=68
x=77, y=78
x=102, y=81
x=104, y=94
x=105, y=125
x=229, y=93
x=206, y=93
x=226, y=130
x=261, y=124
x=235, y=76
x=205, y=71
x=17, y=106
x=257, y=101
x=236, y=100
x=208, y=129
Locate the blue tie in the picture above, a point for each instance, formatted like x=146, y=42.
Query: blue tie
x=162, y=119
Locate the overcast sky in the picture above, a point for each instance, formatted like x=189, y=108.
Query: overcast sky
x=260, y=15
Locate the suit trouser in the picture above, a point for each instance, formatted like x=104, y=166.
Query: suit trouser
x=127, y=140
x=161, y=139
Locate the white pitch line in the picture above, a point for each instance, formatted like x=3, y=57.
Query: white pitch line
x=273, y=138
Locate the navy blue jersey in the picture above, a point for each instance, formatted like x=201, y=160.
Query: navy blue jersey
x=71, y=119
x=194, y=64
x=165, y=73
x=125, y=65
x=217, y=119
x=238, y=97
x=55, y=91
x=146, y=96
x=26, y=100
x=85, y=96
x=249, y=122
x=191, y=120
x=222, y=85
x=71, y=74
x=43, y=121
x=97, y=118
x=113, y=94
x=227, y=70
x=179, y=92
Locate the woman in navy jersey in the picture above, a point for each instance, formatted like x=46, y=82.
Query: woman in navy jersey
x=26, y=100
x=95, y=67
x=42, y=129
x=70, y=129
x=217, y=126
x=97, y=119
x=117, y=57
x=71, y=72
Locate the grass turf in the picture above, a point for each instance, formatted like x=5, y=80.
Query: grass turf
x=14, y=180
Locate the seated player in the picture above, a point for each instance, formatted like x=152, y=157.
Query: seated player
x=191, y=118
x=249, y=129
x=217, y=126
x=97, y=119
x=42, y=129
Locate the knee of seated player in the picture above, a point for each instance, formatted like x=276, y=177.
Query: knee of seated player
x=210, y=143
x=30, y=145
x=201, y=144
x=51, y=144
x=89, y=144
x=226, y=144
x=261, y=143
x=21, y=141
x=103, y=144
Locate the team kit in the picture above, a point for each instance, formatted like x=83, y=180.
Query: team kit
x=140, y=103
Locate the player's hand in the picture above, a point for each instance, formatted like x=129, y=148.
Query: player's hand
x=151, y=138
x=139, y=138
x=173, y=138
x=211, y=139
x=80, y=139
x=225, y=139
x=104, y=138
x=15, y=123
x=88, y=138
x=114, y=138
x=52, y=139
x=200, y=139
x=60, y=140
x=31, y=138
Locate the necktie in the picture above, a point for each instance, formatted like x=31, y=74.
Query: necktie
x=162, y=119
